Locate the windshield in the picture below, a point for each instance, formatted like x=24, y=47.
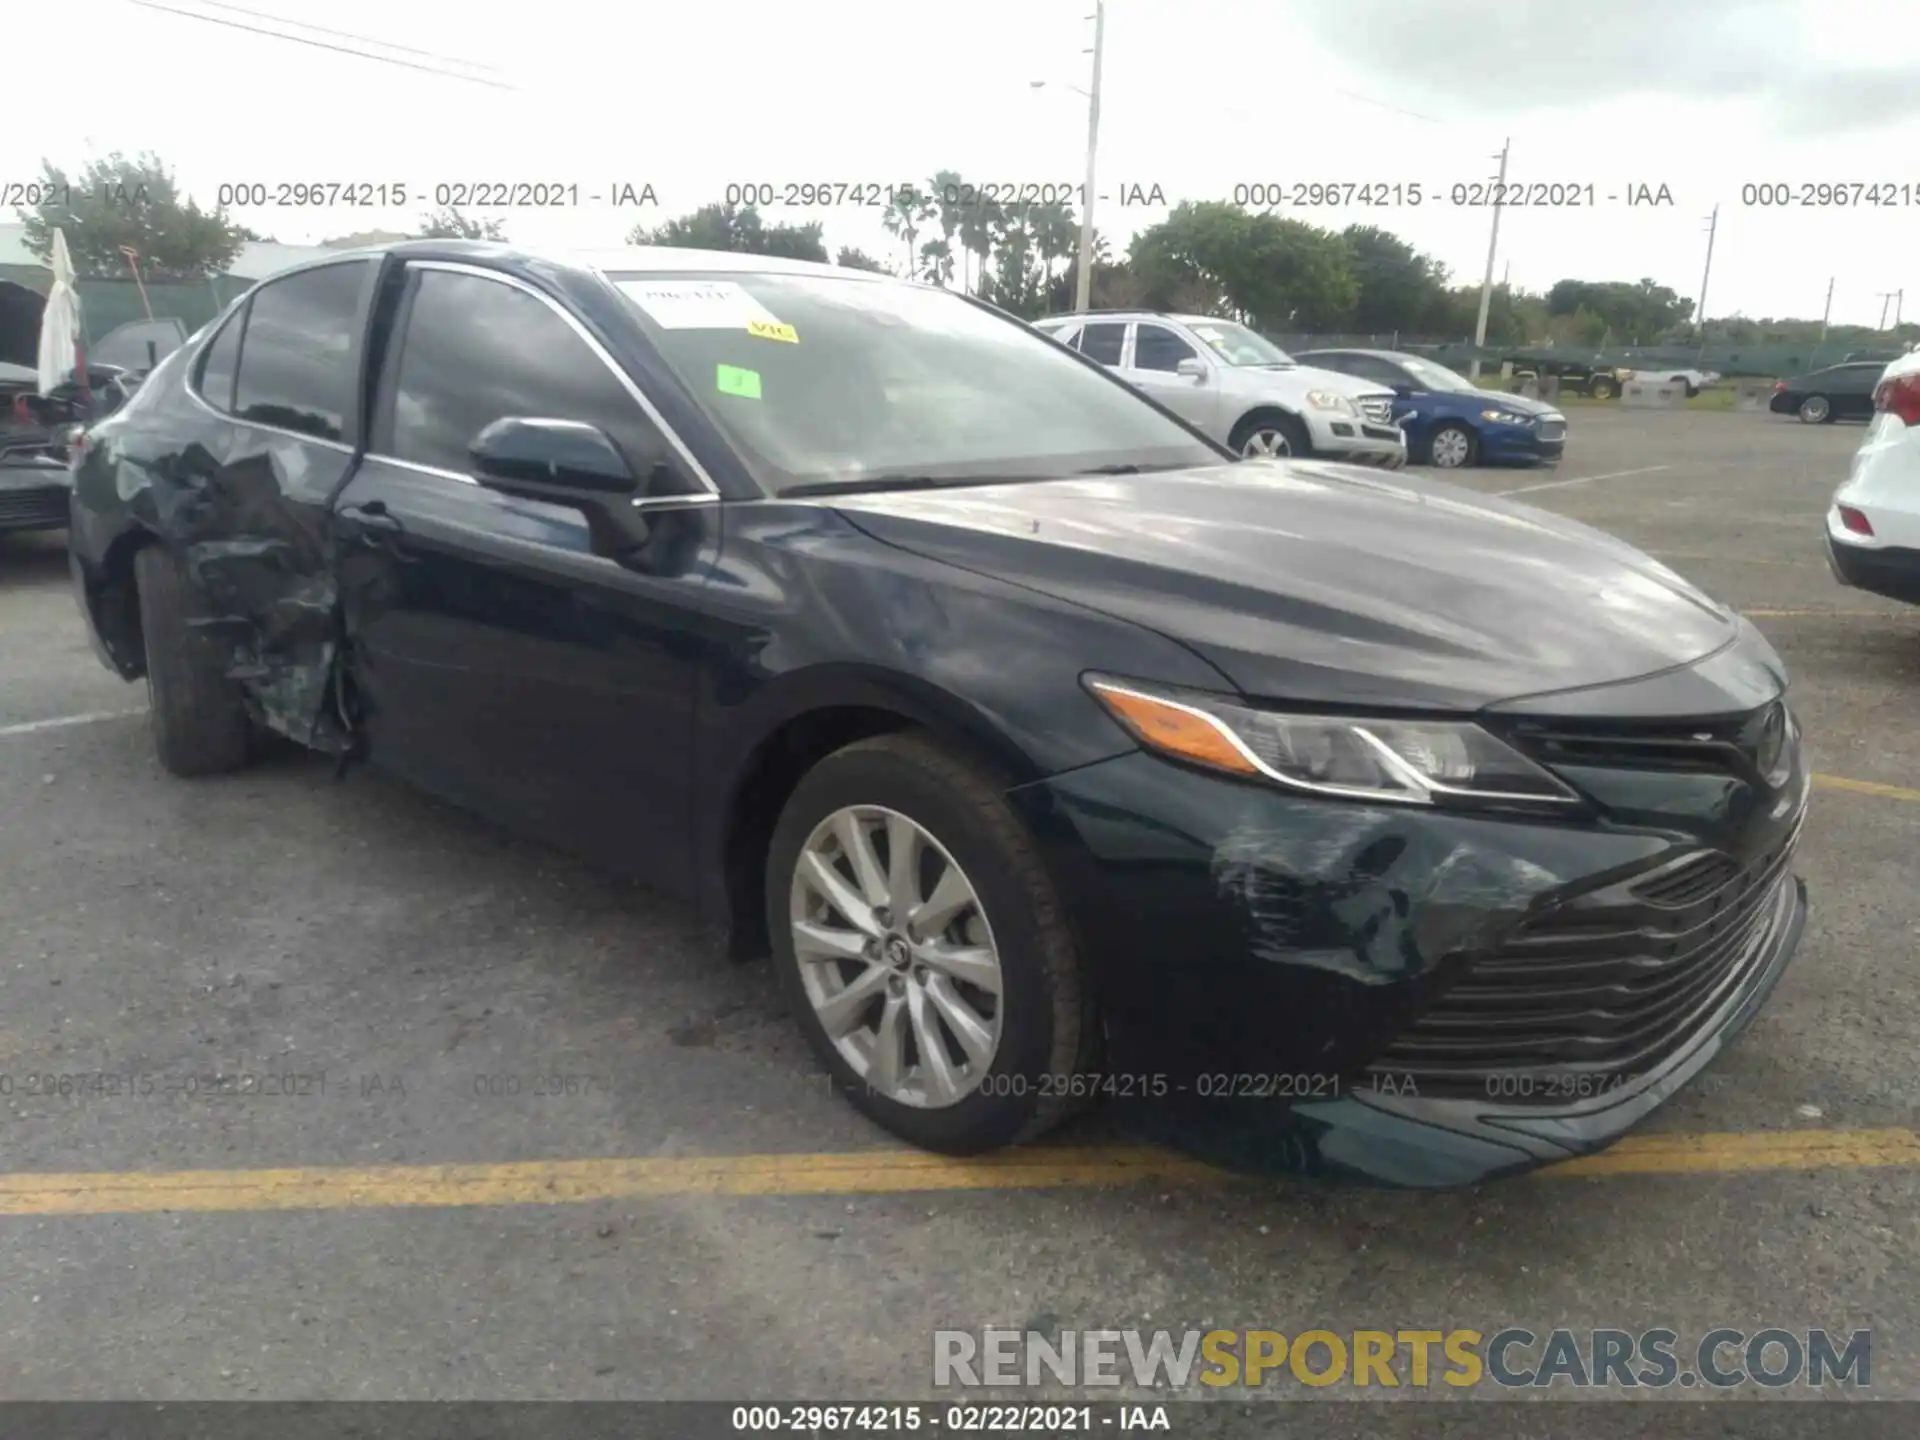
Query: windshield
x=1237, y=345
x=821, y=381
x=1437, y=377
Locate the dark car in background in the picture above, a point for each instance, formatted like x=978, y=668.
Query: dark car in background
x=1449, y=421
x=38, y=434
x=1839, y=392
x=1348, y=825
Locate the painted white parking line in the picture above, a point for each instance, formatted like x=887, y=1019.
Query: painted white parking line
x=92, y=717
x=1582, y=480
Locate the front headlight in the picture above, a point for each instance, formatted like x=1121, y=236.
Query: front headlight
x=1327, y=400
x=1409, y=762
x=1506, y=417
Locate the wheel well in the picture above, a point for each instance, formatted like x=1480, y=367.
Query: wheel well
x=116, y=603
x=1261, y=412
x=776, y=768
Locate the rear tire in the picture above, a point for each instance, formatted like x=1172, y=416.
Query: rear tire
x=1815, y=410
x=1041, y=1019
x=1601, y=387
x=1272, y=434
x=197, y=715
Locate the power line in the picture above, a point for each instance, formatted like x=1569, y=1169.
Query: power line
x=323, y=45
x=345, y=35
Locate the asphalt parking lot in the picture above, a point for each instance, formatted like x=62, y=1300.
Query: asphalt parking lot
x=666, y=1201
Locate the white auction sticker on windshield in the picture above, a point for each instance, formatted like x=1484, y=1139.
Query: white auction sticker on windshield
x=697, y=304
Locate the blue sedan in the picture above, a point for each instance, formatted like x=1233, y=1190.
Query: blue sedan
x=1450, y=421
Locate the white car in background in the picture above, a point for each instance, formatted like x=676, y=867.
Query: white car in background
x=1694, y=380
x=1873, y=525
x=1239, y=387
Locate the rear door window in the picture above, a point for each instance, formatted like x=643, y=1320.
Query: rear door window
x=1103, y=342
x=296, y=361
x=219, y=363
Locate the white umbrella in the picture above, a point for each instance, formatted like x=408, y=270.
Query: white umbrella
x=60, y=322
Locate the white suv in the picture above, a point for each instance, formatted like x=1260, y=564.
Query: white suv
x=1239, y=387
x=1873, y=525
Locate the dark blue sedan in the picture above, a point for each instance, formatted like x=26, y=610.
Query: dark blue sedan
x=1450, y=421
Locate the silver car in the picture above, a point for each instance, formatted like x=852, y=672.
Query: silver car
x=1238, y=386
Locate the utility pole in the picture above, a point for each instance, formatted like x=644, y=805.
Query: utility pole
x=1827, y=314
x=1700, y=311
x=1886, y=299
x=1083, y=281
x=1493, y=245
x=1899, y=299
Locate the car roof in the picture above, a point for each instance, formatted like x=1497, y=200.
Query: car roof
x=630, y=259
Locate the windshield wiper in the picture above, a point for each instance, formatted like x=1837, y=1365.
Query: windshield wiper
x=1118, y=470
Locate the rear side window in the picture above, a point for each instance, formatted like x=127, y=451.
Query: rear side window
x=296, y=358
x=479, y=350
x=219, y=363
x=1102, y=342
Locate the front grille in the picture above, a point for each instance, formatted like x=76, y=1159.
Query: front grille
x=1733, y=745
x=1381, y=432
x=1378, y=410
x=1553, y=430
x=34, y=507
x=1604, y=986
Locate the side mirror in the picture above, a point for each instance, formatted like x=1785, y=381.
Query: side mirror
x=567, y=462
x=558, y=460
x=1192, y=368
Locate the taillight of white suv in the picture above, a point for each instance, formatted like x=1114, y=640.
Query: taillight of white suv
x=1900, y=395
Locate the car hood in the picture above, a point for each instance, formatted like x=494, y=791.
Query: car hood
x=1309, y=582
x=1522, y=403
x=1293, y=381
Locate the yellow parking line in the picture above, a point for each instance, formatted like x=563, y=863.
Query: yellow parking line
x=1759, y=1150
x=1866, y=787
x=878, y=1172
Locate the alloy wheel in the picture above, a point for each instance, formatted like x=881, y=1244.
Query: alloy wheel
x=1450, y=448
x=1814, y=409
x=896, y=956
x=1269, y=442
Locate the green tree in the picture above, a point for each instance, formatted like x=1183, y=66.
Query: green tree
x=852, y=259
x=734, y=227
x=452, y=225
x=119, y=201
x=1397, y=283
x=1276, y=274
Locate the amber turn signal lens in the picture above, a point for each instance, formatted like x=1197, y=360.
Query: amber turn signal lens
x=1174, y=729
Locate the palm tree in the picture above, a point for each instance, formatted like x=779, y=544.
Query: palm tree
x=978, y=228
x=946, y=191
x=906, y=212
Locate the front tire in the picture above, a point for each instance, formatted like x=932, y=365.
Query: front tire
x=1273, y=435
x=1601, y=387
x=1452, y=447
x=1815, y=410
x=923, y=949
x=197, y=715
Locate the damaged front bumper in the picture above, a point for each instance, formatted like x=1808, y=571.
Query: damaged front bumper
x=1265, y=961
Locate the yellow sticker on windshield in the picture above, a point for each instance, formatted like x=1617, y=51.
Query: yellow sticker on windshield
x=773, y=330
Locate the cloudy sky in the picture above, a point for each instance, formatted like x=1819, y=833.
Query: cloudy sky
x=1199, y=96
